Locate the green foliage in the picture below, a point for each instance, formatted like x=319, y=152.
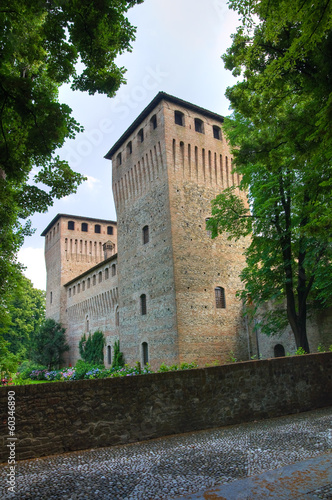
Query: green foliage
x=232, y=358
x=41, y=44
x=300, y=351
x=281, y=137
x=83, y=367
x=8, y=361
x=27, y=367
x=118, y=358
x=26, y=312
x=92, y=348
x=49, y=344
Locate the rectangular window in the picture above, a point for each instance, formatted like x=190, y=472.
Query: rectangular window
x=220, y=297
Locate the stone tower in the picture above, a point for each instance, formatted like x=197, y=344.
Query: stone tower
x=73, y=244
x=176, y=285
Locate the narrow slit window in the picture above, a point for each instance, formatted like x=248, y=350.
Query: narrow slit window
x=143, y=304
x=145, y=235
x=109, y=354
x=145, y=353
x=119, y=160
x=129, y=148
x=220, y=297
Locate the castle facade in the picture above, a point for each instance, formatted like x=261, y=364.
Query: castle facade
x=155, y=280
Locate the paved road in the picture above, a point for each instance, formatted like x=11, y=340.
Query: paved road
x=282, y=458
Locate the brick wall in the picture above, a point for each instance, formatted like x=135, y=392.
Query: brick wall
x=60, y=417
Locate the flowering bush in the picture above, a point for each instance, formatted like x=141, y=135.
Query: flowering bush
x=6, y=380
x=38, y=374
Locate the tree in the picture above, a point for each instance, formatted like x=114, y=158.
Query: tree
x=49, y=344
x=26, y=311
x=41, y=44
x=118, y=360
x=92, y=348
x=283, y=150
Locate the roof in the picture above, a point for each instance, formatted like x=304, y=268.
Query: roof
x=159, y=97
x=71, y=216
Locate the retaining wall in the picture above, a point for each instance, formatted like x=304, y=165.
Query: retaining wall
x=60, y=417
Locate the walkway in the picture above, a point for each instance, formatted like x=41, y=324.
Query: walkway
x=283, y=458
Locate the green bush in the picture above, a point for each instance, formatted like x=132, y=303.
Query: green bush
x=92, y=348
x=118, y=359
x=82, y=368
x=27, y=367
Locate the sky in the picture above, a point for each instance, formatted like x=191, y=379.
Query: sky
x=177, y=50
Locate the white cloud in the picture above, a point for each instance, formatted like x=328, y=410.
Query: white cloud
x=91, y=182
x=33, y=259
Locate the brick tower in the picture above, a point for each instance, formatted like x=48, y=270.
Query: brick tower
x=176, y=285
x=73, y=244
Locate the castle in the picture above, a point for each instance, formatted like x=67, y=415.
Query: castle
x=155, y=280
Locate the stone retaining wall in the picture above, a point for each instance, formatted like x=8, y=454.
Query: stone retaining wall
x=60, y=417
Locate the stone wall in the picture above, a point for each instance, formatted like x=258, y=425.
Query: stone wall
x=61, y=417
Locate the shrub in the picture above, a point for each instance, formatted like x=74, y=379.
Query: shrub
x=49, y=344
x=118, y=359
x=27, y=367
x=82, y=368
x=92, y=348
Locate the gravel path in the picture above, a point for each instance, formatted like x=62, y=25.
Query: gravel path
x=170, y=467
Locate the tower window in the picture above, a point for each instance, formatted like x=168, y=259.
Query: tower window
x=84, y=227
x=51, y=297
x=153, y=122
x=199, y=127
x=109, y=230
x=220, y=297
x=179, y=118
x=118, y=160
x=140, y=135
x=143, y=304
x=97, y=228
x=113, y=269
x=109, y=355
x=145, y=234
x=100, y=277
x=88, y=282
x=71, y=225
x=106, y=273
x=69, y=292
x=145, y=353
x=217, y=132
x=94, y=279
x=129, y=148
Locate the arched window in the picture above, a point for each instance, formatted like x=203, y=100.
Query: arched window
x=220, y=297
x=94, y=279
x=129, y=148
x=140, y=135
x=88, y=282
x=217, y=132
x=113, y=269
x=143, y=304
x=199, y=127
x=83, y=286
x=109, y=230
x=279, y=351
x=145, y=234
x=106, y=273
x=97, y=228
x=145, y=353
x=119, y=160
x=179, y=118
x=109, y=354
x=100, y=277
x=84, y=227
x=153, y=122
x=51, y=297
x=71, y=225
